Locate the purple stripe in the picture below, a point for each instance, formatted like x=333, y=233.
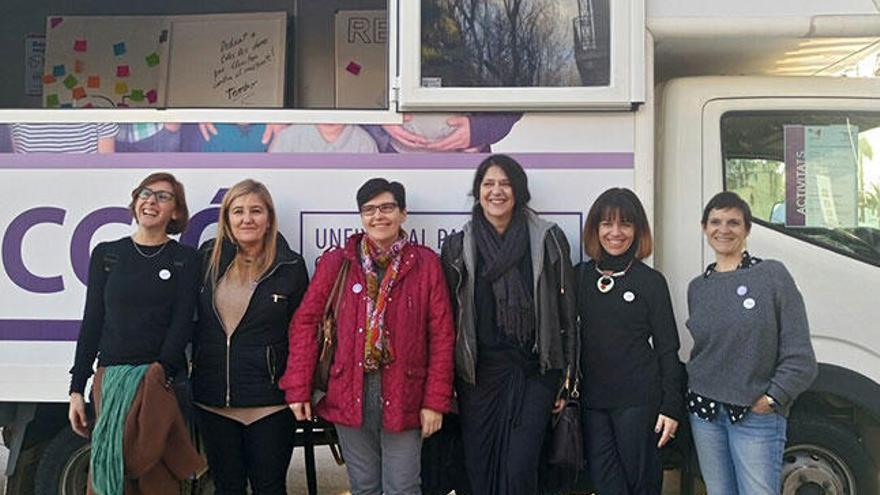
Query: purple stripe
x=610, y=160
x=39, y=330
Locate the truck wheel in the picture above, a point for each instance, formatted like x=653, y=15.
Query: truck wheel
x=825, y=458
x=64, y=466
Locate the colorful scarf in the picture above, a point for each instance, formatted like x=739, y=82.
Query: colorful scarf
x=377, y=348
x=118, y=388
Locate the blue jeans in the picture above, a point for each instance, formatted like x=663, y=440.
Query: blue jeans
x=744, y=458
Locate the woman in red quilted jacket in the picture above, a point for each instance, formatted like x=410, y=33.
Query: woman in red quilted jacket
x=391, y=377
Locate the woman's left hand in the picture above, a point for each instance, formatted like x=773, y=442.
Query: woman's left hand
x=667, y=427
x=762, y=406
x=559, y=405
x=431, y=421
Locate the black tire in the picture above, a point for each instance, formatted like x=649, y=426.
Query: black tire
x=823, y=457
x=64, y=465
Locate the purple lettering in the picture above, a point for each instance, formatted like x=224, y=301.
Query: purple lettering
x=12, y=244
x=81, y=241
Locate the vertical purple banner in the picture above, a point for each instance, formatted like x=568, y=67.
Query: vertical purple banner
x=795, y=177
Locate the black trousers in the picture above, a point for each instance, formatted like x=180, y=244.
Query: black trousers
x=621, y=448
x=258, y=453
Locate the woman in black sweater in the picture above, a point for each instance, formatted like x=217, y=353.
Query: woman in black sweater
x=632, y=377
x=140, y=301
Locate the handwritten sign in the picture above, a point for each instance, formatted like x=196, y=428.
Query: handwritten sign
x=228, y=61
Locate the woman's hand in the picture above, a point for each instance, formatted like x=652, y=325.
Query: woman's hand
x=431, y=421
x=559, y=405
x=398, y=133
x=76, y=414
x=302, y=410
x=458, y=139
x=762, y=405
x=667, y=427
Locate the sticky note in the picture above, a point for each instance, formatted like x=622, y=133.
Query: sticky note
x=52, y=101
x=70, y=82
x=93, y=82
x=121, y=71
x=79, y=66
x=67, y=105
x=163, y=36
x=55, y=21
x=88, y=105
x=354, y=67
x=121, y=88
x=152, y=59
x=80, y=45
x=79, y=93
x=119, y=48
x=121, y=105
x=137, y=95
x=48, y=79
x=152, y=96
x=58, y=70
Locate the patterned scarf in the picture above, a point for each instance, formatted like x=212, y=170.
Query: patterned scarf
x=377, y=348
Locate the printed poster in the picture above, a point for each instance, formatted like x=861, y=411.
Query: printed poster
x=821, y=176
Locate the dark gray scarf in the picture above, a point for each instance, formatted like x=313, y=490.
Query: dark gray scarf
x=514, y=312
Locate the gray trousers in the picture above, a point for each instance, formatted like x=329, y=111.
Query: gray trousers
x=379, y=461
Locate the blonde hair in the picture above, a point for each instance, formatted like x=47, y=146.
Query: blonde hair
x=224, y=230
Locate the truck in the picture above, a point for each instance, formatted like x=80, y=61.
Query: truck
x=675, y=100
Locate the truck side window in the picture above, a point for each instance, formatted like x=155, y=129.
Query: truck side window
x=812, y=175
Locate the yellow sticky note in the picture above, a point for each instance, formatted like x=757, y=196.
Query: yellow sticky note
x=121, y=88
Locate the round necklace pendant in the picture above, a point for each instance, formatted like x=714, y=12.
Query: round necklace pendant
x=605, y=283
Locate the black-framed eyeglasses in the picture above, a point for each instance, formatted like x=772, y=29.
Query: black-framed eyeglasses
x=161, y=196
x=370, y=210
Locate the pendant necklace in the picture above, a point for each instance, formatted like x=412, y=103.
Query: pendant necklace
x=605, y=281
x=145, y=255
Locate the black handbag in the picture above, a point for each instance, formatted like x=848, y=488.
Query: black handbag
x=566, y=449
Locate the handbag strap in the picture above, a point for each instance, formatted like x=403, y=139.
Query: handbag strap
x=334, y=299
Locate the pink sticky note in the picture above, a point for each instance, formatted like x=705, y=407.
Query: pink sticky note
x=55, y=21
x=152, y=96
x=94, y=82
x=121, y=71
x=48, y=79
x=88, y=105
x=353, y=67
x=80, y=45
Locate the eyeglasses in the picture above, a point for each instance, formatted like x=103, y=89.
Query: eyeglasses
x=161, y=196
x=370, y=210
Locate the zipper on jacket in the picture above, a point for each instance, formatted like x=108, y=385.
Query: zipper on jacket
x=228, y=387
x=460, y=310
x=270, y=363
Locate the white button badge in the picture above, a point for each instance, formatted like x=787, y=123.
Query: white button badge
x=748, y=303
x=357, y=288
x=742, y=290
x=164, y=274
x=629, y=296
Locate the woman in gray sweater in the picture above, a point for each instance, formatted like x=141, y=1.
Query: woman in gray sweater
x=751, y=358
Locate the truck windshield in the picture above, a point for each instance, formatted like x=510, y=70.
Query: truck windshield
x=812, y=175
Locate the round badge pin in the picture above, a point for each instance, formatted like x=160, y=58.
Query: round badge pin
x=357, y=288
x=742, y=290
x=164, y=274
x=629, y=296
x=748, y=303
